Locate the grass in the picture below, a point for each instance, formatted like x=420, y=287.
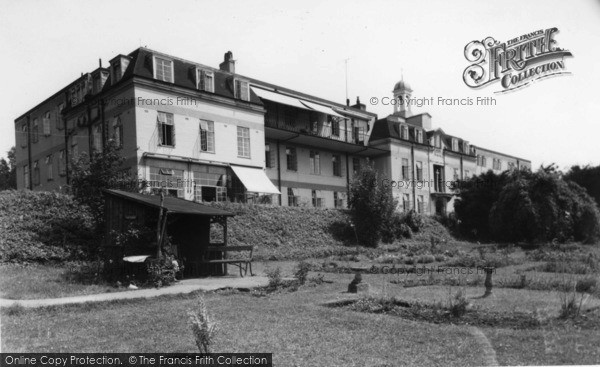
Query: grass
x=298, y=330
x=43, y=281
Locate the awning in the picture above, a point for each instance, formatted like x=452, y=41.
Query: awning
x=255, y=180
x=279, y=98
x=321, y=108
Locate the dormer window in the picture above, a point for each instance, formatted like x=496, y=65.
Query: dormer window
x=118, y=65
x=455, y=145
x=438, y=141
x=420, y=136
x=404, y=132
x=205, y=80
x=466, y=147
x=242, y=90
x=163, y=69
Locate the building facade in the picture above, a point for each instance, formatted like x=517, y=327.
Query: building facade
x=211, y=134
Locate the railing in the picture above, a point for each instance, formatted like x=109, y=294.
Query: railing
x=340, y=134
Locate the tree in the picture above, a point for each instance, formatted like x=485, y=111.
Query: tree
x=8, y=171
x=587, y=177
x=103, y=170
x=371, y=205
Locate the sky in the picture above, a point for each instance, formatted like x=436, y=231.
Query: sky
x=306, y=46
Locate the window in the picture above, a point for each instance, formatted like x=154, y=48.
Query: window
x=511, y=165
x=455, y=145
x=337, y=165
x=207, y=136
x=268, y=156
x=171, y=180
x=467, y=174
x=205, y=80
x=291, y=159
x=97, y=138
x=24, y=136
x=46, y=124
x=438, y=141
x=419, y=171
x=242, y=90
x=465, y=147
x=315, y=162
x=406, y=202
x=292, y=199
x=405, y=169
x=316, y=201
x=243, y=138
x=36, y=173
x=455, y=174
x=74, y=148
x=59, y=120
x=26, y=176
x=117, y=126
x=420, y=136
x=483, y=161
x=49, y=168
x=62, y=163
x=404, y=132
x=166, y=129
x=338, y=202
x=420, y=204
x=356, y=165
x=163, y=69
x=335, y=126
x=34, y=131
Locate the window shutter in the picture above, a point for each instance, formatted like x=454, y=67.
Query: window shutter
x=201, y=81
x=160, y=129
x=173, y=134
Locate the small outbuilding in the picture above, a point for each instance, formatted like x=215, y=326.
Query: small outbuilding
x=189, y=228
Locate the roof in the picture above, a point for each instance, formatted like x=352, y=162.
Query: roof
x=141, y=66
x=173, y=205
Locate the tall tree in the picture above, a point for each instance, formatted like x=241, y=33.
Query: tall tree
x=8, y=171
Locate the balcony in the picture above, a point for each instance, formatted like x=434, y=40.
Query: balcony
x=341, y=133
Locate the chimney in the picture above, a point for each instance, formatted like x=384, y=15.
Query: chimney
x=228, y=63
x=348, y=102
x=100, y=63
x=359, y=105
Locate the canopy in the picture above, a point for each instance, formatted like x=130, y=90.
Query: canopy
x=255, y=180
x=279, y=98
x=321, y=108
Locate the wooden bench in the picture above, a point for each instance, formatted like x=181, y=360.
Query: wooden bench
x=242, y=263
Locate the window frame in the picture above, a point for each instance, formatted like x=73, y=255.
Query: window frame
x=291, y=153
x=209, y=136
x=240, y=94
x=315, y=162
x=201, y=75
x=243, y=139
x=162, y=126
x=336, y=161
x=155, y=58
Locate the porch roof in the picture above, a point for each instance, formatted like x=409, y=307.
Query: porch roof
x=171, y=204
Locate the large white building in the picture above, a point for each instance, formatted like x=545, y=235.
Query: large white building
x=211, y=134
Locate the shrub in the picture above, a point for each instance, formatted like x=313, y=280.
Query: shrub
x=203, y=328
x=371, y=206
x=426, y=259
x=458, y=304
x=587, y=285
x=43, y=227
x=302, y=270
x=161, y=272
x=570, y=303
x=274, y=276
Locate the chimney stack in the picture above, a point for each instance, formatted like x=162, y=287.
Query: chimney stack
x=359, y=105
x=100, y=63
x=228, y=63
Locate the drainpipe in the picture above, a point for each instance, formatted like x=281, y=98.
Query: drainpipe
x=347, y=176
x=414, y=190
x=29, y=161
x=279, y=174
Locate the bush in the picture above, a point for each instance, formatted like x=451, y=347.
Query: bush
x=43, y=227
x=203, y=328
x=521, y=206
x=274, y=276
x=458, y=304
x=161, y=272
x=302, y=270
x=371, y=206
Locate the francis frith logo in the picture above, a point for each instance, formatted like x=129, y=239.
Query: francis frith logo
x=515, y=63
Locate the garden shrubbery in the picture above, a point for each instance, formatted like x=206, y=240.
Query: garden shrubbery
x=43, y=227
x=522, y=206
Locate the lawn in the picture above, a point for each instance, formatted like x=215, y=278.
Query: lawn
x=298, y=329
x=43, y=281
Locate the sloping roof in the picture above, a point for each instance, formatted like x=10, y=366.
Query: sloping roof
x=173, y=205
